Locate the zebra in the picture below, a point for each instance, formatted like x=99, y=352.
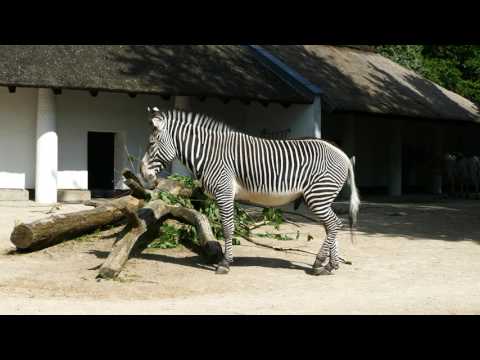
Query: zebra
x=231, y=165
x=474, y=167
x=463, y=173
x=451, y=171
x=469, y=173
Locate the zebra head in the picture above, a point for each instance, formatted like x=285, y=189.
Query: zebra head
x=161, y=150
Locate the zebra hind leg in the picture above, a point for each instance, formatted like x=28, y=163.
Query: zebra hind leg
x=327, y=258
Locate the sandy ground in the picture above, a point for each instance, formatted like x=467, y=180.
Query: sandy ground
x=407, y=259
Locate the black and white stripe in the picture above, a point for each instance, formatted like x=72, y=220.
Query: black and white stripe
x=268, y=172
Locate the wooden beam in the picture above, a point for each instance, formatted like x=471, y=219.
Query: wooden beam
x=12, y=89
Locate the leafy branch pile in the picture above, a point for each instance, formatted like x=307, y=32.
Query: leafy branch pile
x=171, y=236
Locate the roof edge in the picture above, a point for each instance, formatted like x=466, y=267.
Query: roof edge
x=284, y=71
x=115, y=90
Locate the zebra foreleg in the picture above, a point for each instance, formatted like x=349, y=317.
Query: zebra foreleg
x=225, y=201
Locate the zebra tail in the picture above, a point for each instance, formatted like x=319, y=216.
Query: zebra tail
x=354, y=198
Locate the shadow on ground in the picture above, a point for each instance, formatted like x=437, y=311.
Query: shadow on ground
x=447, y=220
x=199, y=262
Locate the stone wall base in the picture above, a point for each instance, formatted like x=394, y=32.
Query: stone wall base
x=74, y=196
x=13, y=195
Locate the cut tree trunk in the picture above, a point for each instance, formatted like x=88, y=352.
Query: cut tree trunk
x=55, y=229
x=207, y=240
x=138, y=190
x=140, y=224
x=173, y=187
x=58, y=228
x=145, y=222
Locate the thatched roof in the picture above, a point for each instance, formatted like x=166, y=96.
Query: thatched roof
x=230, y=71
x=354, y=80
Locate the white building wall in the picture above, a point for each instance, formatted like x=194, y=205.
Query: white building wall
x=296, y=120
x=254, y=118
x=78, y=113
x=17, y=138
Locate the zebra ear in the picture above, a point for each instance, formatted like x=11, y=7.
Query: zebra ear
x=158, y=123
x=153, y=110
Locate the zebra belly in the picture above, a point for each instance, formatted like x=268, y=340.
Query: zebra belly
x=265, y=199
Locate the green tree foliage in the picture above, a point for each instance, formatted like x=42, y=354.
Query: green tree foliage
x=409, y=56
x=455, y=67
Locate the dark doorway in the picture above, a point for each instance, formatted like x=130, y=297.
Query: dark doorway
x=101, y=158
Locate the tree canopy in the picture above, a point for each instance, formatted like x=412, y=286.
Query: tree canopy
x=455, y=67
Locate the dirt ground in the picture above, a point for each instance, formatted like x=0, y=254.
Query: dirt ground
x=408, y=258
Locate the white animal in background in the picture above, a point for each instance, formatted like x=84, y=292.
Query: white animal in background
x=451, y=171
x=474, y=172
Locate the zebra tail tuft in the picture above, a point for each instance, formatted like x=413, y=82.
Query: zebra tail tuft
x=354, y=199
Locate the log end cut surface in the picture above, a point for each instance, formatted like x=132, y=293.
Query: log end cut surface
x=22, y=237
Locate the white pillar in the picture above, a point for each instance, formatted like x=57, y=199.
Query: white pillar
x=395, y=161
x=181, y=103
x=47, y=149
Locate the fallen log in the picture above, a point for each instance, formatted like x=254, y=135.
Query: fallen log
x=145, y=223
x=58, y=228
x=55, y=229
x=174, y=187
x=140, y=224
x=208, y=243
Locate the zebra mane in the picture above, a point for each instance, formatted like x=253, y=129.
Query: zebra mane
x=194, y=118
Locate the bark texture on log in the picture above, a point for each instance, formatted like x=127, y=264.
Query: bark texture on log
x=144, y=222
x=140, y=224
x=208, y=243
x=173, y=187
x=55, y=229
x=200, y=221
x=138, y=190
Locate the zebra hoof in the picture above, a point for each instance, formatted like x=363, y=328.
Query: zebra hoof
x=318, y=271
x=221, y=270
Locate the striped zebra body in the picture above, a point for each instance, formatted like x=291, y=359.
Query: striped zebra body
x=232, y=165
